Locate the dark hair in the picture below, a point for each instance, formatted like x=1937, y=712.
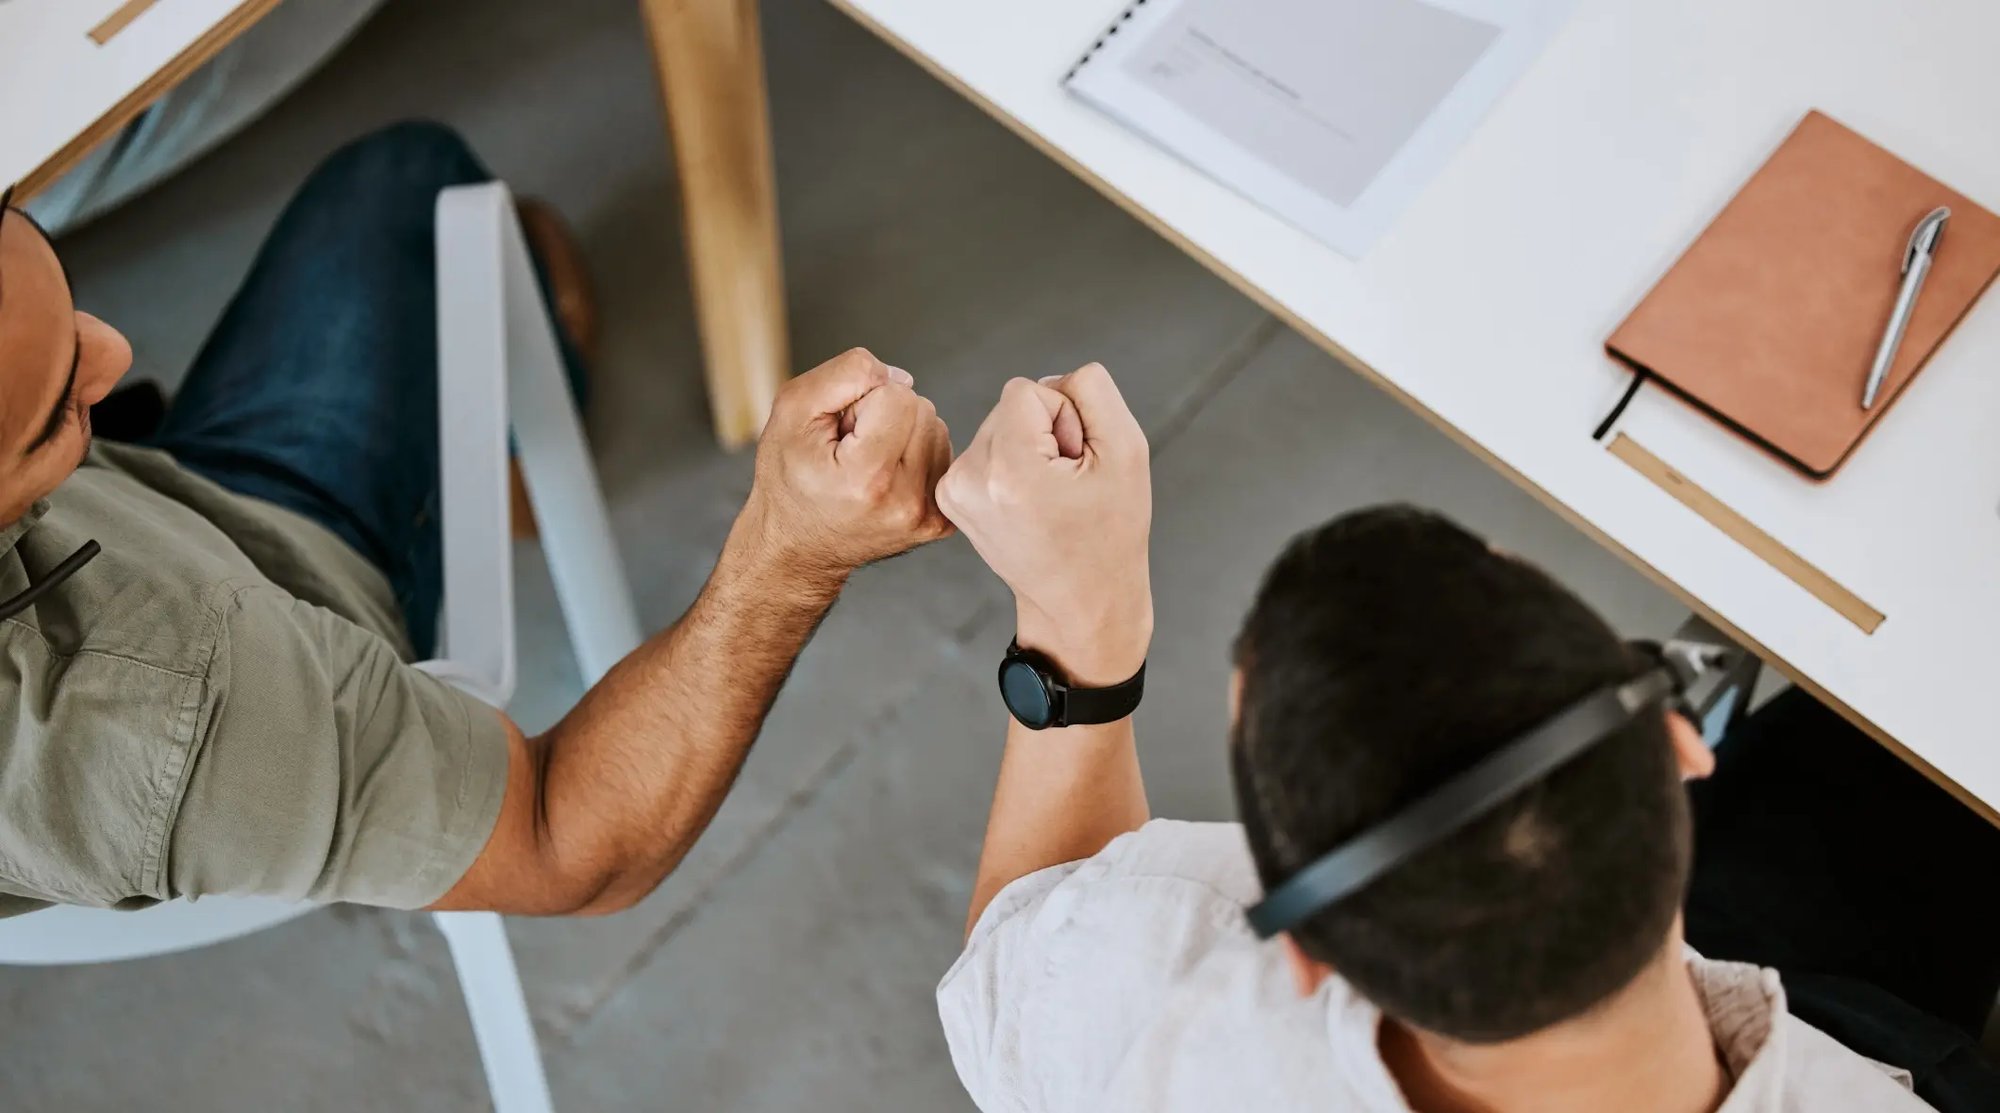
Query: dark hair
x=1389, y=650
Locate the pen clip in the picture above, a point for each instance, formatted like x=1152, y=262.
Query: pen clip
x=1924, y=237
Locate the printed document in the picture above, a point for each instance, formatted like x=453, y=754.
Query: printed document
x=1331, y=113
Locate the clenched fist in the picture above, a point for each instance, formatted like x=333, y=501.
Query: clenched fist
x=1055, y=491
x=847, y=468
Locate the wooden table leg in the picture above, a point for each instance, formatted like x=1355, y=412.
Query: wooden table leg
x=711, y=62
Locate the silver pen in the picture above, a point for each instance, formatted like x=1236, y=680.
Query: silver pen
x=1916, y=267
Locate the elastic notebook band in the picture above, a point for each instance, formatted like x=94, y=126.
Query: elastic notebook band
x=1639, y=378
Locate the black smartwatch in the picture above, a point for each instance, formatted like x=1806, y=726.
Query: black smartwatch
x=1038, y=696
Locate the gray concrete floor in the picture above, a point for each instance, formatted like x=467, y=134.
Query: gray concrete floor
x=789, y=963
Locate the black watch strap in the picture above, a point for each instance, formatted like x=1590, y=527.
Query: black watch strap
x=1092, y=706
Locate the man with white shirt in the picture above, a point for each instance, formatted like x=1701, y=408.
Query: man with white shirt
x=1527, y=955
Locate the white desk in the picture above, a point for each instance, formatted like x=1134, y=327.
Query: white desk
x=1487, y=304
x=65, y=90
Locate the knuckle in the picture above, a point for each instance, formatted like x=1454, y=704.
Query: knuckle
x=863, y=362
x=853, y=361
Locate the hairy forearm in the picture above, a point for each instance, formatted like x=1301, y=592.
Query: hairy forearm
x=631, y=776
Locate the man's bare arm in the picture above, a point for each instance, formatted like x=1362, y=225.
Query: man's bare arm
x=605, y=804
x=1055, y=494
x=1062, y=796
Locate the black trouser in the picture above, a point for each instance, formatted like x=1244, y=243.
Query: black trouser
x=1870, y=889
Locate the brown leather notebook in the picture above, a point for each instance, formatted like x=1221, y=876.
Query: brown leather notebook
x=1771, y=319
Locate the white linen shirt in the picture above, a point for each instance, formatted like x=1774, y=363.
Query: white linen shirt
x=1130, y=981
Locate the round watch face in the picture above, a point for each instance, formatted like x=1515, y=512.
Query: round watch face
x=1025, y=694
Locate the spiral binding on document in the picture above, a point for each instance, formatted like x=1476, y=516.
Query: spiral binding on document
x=1127, y=14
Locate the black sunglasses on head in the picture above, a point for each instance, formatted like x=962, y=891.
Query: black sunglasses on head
x=24, y=599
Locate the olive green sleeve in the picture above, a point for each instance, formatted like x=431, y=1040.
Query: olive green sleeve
x=328, y=769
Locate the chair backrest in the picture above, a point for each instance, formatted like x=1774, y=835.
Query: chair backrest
x=476, y=632
x=496, y=352
x=489, y=289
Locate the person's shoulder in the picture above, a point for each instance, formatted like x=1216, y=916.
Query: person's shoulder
x=1822, y=1075
x=1130, y=980
x=1782, y=1063
x=1215, y=856
x=1203, y=866
x=1167, y=868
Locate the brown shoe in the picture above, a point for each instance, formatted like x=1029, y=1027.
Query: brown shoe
x=554, y=246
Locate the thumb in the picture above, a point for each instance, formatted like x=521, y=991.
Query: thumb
x=1068, y=426
x=1039, y=416
x=1105, y=416
x=880, y=427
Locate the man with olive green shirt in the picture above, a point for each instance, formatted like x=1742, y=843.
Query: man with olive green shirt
x=221, y=700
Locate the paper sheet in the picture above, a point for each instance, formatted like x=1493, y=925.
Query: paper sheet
x=1332, y=113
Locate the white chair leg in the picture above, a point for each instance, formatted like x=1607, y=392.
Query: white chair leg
x=500, y=1021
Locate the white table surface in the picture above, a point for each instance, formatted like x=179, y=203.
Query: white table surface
x=55, y=82
x=1489, y=300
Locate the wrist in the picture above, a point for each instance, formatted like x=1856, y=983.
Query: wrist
x=759, y=551
x=1096, y=650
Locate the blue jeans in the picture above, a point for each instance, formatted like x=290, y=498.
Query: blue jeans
x=318, y=390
